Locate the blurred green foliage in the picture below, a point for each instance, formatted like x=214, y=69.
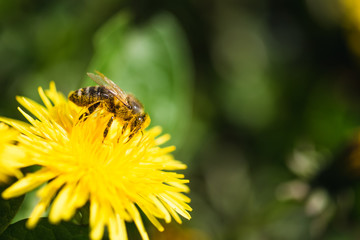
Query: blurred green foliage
x=8, y=209
x=46, y=231
x=252, y=92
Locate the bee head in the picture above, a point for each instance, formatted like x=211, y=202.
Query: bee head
x=144, y=120
x=134, y=104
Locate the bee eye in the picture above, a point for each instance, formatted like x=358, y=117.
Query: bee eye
x=134, y=105
x=135, y=108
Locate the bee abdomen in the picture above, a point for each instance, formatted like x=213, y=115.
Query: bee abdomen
x=89, y=95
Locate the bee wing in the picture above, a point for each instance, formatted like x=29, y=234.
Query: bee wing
x=100, y=79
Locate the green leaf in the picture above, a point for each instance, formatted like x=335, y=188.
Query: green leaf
x=45, y=231
x=151, y=61
x=8, y=209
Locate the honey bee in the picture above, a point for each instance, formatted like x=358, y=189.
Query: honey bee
x=113, y=99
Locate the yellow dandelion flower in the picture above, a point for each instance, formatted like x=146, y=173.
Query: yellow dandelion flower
x=351, y=19
x=118, y=177
x=10, y=155
x=352, y=12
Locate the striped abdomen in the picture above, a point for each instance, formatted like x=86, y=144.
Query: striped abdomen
x=90, y=95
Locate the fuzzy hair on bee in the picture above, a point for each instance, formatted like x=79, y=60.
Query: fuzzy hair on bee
x=108, y=96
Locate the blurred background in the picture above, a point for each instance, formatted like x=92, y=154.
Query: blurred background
x=260, y=98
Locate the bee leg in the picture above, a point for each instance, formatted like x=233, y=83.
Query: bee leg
x=90, y=110
x=133, y=133
x=108, y=125
x=93, y=107
x=83, y=116
x=135, y=127
x=124, y=127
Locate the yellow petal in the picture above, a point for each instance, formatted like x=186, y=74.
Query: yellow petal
x=117, y=228
x=28, y=183
x=138, y=222
x=44, y=98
